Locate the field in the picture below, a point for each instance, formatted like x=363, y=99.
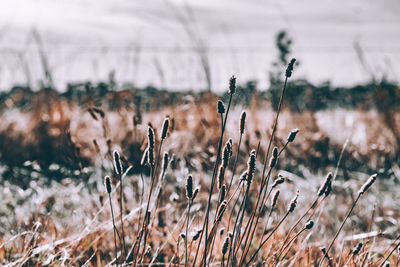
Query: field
x=302, y=179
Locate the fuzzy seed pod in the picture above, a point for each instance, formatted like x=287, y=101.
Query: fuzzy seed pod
x=197, y=235
x=165, y=161
x=223, y=192
x=275, y=152
x=117, y=163
x=189, y=187
x=357, y=249
x=251, y=166
x=220, y=177
x=144, y=157
x=221, y=107
x=325, y=185
x=272, y=162
x=368, y=184
x=164, y=129
x=293, y=203
x=226, y=153
x=196, y=191
x=278, y=181
x=328, y=190
x=221, y=210
x=275, y=198
x=232, y=85
x=309, y=225
x=225, y=245
x=292, y=135
x=150, y=156
x=107, y=182
x=150, y=137
x=289, y=69
x=242, y=122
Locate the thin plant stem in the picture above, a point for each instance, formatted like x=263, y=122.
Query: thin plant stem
x=265, y=240
x=340, y=228
x=114, y=229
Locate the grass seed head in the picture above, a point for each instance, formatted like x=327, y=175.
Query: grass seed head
x=150, y=137
x=251, y=166
x=275, y=152
x=226, y=153
x=278, y=181
x=289, y=69
x=196, y=191
x=293, y=203
x=275, y=199
x=220, y=177
x=309, y=225
x=189, y=187
x=326, y=184
x=221, y=210
x=232, y=85
x=164, y=129
x=117, y=163
x=242, y=122
x=197, y=234
x=221, y=107
x=107, y=182
x=225, y=246
x=150, y=156
x=223, y=192
x=368, y=184
x=165, y=161
x=292, y=135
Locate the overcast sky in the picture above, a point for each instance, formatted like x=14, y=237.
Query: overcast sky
x=154, y=42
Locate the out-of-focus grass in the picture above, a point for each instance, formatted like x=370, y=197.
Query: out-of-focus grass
x=53, y=209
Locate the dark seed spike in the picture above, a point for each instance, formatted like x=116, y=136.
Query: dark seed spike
x=150, y=156
x=278, y=181
x=232, y=85
x=150, y=137
x=242, y=122
x=107, y=182
x=225, y=245
x=326, y=184
x=117, y=163
x=189, y=187
x=164, y=129
x=292, y=135
x=220, y=177
x=223, y=192
x=293, y=203
x=196, y=191
x=165, y=161
x=309, y=225
x=289, y=69
x=275, y=198
x=251, y=166
x=221, y=107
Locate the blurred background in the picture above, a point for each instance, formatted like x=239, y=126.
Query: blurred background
x=188, y=44
x=80, y=79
